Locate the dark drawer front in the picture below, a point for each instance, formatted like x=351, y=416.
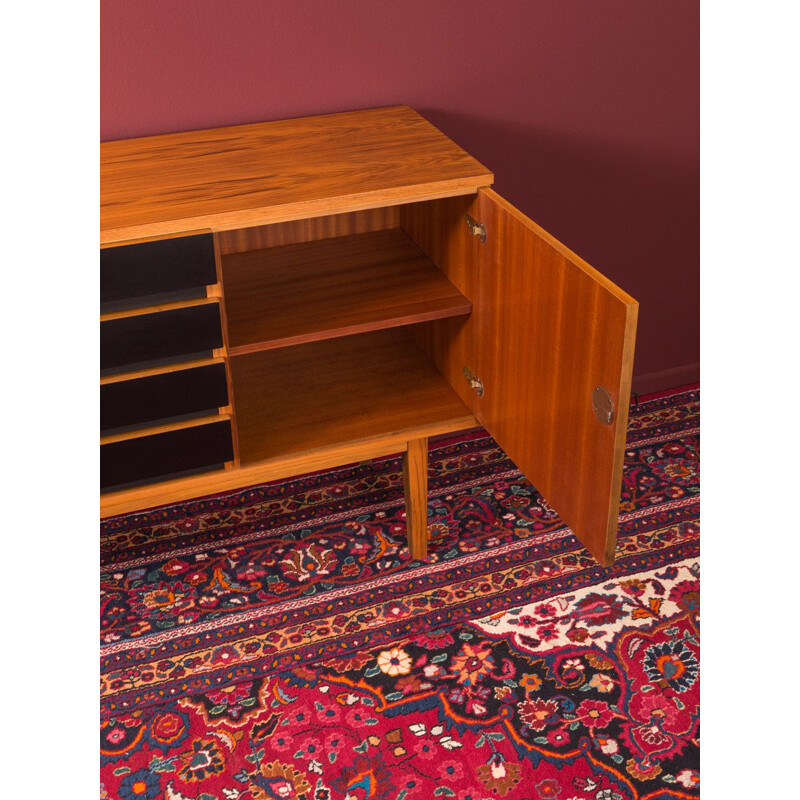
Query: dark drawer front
x=160, y=338
x=173, y=454
x=145, y=274
x=162, y=398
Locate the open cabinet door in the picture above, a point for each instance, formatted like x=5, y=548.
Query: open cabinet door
x=554, y=357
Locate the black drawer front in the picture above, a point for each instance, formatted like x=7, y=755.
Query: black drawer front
x=144, y=274
x=165, y=455
x=160, y=338
x=162, y=398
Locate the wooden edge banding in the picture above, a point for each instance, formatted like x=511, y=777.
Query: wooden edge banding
x=621, y=432
x=159, y=238
x=224, y=352
x=156, y=429
x=251, y=217
x=141, y=310
x=150, y=371
x=296, y=464
x=463, y=309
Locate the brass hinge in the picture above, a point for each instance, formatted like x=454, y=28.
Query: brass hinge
x=474, y=381
x=476, y=228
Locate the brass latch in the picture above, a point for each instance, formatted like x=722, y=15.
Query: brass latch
x=476, y=228
x=474, y=382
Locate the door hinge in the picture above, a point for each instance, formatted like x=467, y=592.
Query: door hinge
x=474, y=381
x=476, y=228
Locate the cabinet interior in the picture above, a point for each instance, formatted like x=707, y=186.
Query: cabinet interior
x=326, y=322
x=334, y=330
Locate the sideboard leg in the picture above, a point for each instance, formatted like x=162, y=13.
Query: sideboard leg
x=415, y=479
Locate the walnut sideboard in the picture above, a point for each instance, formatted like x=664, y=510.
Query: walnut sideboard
x=283, y=297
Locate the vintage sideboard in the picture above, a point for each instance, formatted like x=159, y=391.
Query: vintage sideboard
x=282, y=297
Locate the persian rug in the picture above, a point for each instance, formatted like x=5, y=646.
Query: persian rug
x=279, y=642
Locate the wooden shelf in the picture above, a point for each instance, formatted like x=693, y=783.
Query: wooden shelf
x=313, y=396
x=334, y=287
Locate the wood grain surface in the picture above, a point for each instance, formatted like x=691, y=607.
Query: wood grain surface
x=551, y=329
x=415, y=488
x=234, y=177
x=334, y=287
x=330, y=392
x=307, y=230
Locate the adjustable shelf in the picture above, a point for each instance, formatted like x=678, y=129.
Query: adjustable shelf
x=317, y=290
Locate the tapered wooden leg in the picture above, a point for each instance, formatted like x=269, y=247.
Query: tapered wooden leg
x=415, y=479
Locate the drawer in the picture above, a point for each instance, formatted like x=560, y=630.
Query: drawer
x=163, y=337
x=173, y=454
x=158, y=399
x=145, y=274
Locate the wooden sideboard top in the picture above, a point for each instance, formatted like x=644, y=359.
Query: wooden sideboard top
x=236, y=177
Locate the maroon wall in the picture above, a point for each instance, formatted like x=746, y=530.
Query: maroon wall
x=587, y=112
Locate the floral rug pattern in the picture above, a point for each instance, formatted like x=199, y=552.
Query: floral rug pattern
x=279, y=642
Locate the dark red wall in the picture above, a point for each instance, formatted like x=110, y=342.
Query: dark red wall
x=587, y=112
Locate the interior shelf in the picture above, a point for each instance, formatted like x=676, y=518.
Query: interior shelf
x=325, y=393
x=334, y=287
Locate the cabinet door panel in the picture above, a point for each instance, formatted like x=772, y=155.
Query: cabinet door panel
x=551, y=330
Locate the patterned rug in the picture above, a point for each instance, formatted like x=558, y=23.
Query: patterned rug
x=279, y=642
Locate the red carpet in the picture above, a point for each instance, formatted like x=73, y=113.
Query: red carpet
x=279, y=642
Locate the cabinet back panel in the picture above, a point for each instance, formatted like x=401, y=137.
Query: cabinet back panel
x=149, y=458
x=307, y=230
x=131, y=275
x=162, y=397
x=159, y=337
